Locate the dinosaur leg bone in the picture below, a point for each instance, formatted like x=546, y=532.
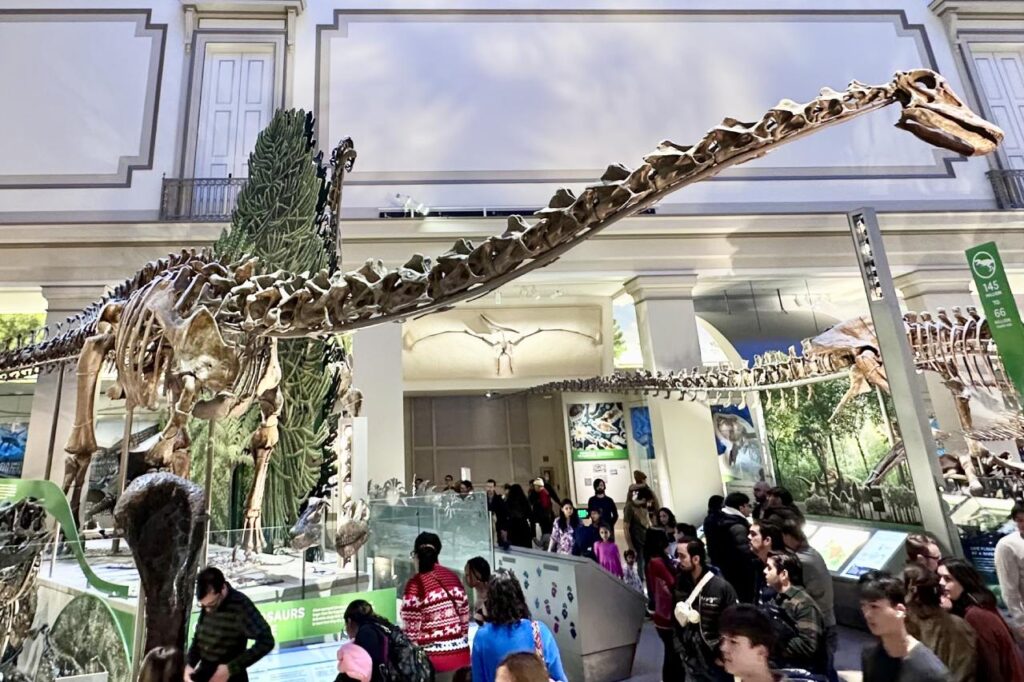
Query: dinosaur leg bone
x=81, y=442
x=167, y=451
x=975, y=451
x=264, y=439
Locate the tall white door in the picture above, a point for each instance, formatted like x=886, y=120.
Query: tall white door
x=1001, y=71
x=237, y=103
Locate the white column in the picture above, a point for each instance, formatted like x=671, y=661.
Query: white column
x=61, y=303
x=684, y=442
x=377, y=372
x=927, y=291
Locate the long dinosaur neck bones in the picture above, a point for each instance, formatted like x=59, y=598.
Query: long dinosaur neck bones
x=285, y=305
x=304, y=305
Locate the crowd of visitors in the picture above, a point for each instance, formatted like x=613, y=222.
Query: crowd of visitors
x=752, y=599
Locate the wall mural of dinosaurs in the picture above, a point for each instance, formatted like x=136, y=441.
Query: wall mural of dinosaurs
x=202, y=334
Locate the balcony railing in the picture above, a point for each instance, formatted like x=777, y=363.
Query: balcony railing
x=1009, y=187
x=199, y=199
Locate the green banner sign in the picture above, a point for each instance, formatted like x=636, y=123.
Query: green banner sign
x=594, y=455
x=55, y=502
x=292, y=621
x=1000, y=309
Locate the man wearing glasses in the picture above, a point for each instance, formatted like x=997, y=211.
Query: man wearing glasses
x=219, y=651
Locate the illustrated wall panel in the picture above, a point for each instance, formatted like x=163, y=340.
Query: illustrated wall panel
x=510, y=99
x=82, y=105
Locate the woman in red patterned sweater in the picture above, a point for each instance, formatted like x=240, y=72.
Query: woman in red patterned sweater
x=435, y=610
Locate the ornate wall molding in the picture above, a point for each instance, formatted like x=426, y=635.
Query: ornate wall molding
x=941, y=168
x=150, y=106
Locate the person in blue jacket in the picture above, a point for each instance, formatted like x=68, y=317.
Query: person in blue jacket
x=511, y=630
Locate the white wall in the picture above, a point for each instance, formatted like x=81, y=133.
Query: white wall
x=92, y=105
x=496, y=108
x=518, y=102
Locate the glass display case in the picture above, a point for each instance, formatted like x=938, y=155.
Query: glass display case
x=981, y=522
x=462, y=523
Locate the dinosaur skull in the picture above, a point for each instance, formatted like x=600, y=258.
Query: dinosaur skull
x=933, y=112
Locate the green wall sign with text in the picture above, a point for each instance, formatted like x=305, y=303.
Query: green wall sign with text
x=291, y=621
x=598, y=455
x=1000, y=309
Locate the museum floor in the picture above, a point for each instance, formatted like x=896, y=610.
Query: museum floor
x=317, y=663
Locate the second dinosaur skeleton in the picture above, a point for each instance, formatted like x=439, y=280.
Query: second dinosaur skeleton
x=204, y=333
x=958, y=347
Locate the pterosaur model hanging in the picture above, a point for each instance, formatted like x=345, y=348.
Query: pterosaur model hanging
x=204, y=333
x=501, y=338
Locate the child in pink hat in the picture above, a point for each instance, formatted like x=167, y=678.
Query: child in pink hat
x=354, y=663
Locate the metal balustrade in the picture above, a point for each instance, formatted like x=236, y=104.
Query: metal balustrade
x=199, y=199
x=1009, y=187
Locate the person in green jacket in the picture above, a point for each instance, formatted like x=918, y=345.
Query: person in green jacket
x=229, y=619
x=804, y=648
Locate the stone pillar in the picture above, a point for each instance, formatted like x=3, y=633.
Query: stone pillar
x=62, y=301
x=927, y=291
x=377, y=372
x=684, y=442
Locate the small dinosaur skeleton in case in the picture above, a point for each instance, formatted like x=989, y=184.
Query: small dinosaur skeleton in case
x=204, y=333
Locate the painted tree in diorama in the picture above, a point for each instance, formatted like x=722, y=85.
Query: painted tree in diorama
x=278, y=219
x=824, y=460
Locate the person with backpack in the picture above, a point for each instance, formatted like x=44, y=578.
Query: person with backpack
x=511, y=630
x=370, y=632
x=435, y=609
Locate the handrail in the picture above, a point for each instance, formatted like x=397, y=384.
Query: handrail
x=199, y=199
x=1008, y=186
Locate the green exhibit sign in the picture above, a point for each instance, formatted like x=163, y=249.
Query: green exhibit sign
x=597, y=455
x=292, y=621
x=55, y=502
x=1000, y=309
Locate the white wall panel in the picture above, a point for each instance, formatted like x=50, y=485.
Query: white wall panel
x=81, y=93
x=495, y=108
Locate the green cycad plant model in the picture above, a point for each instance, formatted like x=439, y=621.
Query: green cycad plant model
x=281, y=218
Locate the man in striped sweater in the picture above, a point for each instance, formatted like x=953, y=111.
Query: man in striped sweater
x=219, y=651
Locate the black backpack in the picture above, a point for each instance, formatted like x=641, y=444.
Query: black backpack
x=406, y=662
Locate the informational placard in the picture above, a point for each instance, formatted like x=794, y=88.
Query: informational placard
x=597, y=441
x=836, y=544
x=878, y=551
x=1000, y=309
x=291, y=621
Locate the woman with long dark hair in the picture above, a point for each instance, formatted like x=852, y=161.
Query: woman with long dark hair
x=948, y=636
x=518, y=510
x=478, y=575
x=661, y=579
x=510, y=630
x=564, y=531
x=435, y=609
x=998, y=655
x=370, y=631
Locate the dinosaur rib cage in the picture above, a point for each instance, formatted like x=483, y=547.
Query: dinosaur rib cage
x=56, y=345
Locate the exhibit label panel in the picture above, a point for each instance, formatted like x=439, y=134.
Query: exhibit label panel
x=1000, y=309
x=291, y=621
x=597, y=442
